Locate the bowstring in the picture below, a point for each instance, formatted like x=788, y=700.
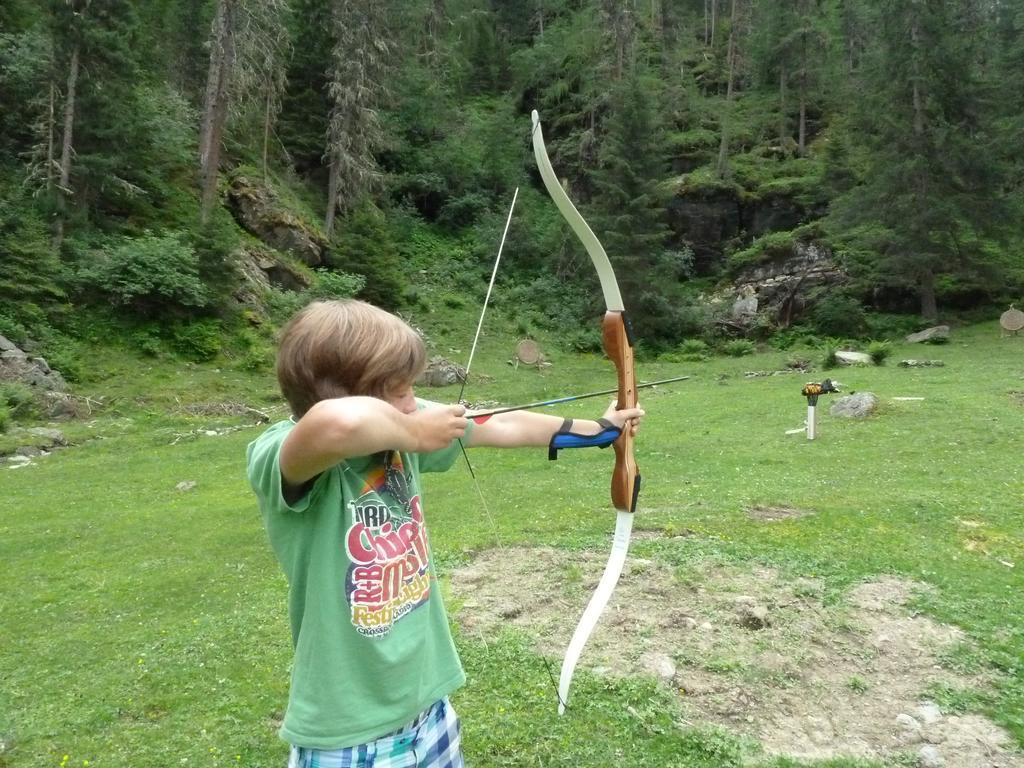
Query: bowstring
x=469, y=363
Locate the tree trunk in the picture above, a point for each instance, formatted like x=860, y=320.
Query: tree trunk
x=67, y=146
x=926, y=287
x=332, y=197
x=783, y=122
x=714, y=17
x=801, y=146
x=51, y=138
x=267, y=114
x=215, y=107
x=723, y=146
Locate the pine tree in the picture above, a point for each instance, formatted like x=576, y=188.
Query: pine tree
x=631, y=207
x=357, y=87
x=929, y=193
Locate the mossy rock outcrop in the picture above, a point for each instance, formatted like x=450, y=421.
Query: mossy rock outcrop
x=258, y=210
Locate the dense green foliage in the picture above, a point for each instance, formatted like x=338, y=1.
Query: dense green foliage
x=698, y=139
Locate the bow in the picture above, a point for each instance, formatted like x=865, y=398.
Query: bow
x=618, y=345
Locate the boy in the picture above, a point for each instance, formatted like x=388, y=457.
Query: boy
x=338, y=486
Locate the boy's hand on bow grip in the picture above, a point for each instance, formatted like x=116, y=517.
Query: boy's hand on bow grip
x=627, y=418
x=436, y=427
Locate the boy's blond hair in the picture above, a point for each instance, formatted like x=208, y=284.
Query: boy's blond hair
x=346, y=347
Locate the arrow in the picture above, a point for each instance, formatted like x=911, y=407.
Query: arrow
x=567, y=399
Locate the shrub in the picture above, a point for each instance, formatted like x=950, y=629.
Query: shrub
x=738, y=347
x=334, y=284
x=830, y=348
x=199, y=341
x=694, y=347
x=365, y=247
x=147, y=273
x=839, y=314
x=17, y=399
x=879, y=351
x=5, y=418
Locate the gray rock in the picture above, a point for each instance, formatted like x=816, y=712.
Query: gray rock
x=930, y=757
x=846, y=357
x=51, y=437
x=935, y=333
x=440, y=373
x=856, y=406
x=6, y=345
x=185, y=485
x=921, y=363
x=659, y=664
x=929, y=712
x=752, y=616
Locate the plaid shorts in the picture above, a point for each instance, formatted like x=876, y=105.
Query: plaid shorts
x=432, y=740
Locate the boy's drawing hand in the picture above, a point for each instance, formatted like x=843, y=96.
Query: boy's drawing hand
x=626, y=418
x=437, y=426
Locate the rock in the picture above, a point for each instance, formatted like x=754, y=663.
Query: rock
x=50, y=437
x=441, y=372
x=930, y=757
x=920, y=363
x=857, y=406
x=185, y=485
x=509, y=610
x=660, y=665
x=59, y=405
x=937, y=333
x=752, y=616
x=909, y=730
x=907, y=721
x=35, y=372
x=929, y=712
x=257, y=210
x=6, y=345
x=781, y=288
x=745, y=307
x=847, y=357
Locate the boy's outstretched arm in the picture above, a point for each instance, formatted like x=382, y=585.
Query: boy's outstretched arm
x=340, y=428
x=517, y=429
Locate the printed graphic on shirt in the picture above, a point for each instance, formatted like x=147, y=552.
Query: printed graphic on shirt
x=387, y=544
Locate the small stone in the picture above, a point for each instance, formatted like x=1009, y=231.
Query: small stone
x=930, y=757
x=660, y=665
x=510, y=610
x=907, y=721
x=753, y=616
x=909, y=730
x=929, y=712
x=185, y=485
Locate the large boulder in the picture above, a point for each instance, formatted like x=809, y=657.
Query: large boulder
x=18, y=366
x=257, y=209
x=933, y=335
x=856, y=406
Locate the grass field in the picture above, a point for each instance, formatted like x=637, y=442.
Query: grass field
x=142, y=625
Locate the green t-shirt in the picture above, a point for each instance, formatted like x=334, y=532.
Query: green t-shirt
x=372, y=644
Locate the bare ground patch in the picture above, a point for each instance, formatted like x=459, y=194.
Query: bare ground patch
x=752, y=652
x=772, y=514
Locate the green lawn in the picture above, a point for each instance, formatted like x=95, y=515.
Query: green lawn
x=145, y=626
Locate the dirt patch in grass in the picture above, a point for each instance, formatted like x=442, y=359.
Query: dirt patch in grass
x=763, y=656
x=773, y=514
